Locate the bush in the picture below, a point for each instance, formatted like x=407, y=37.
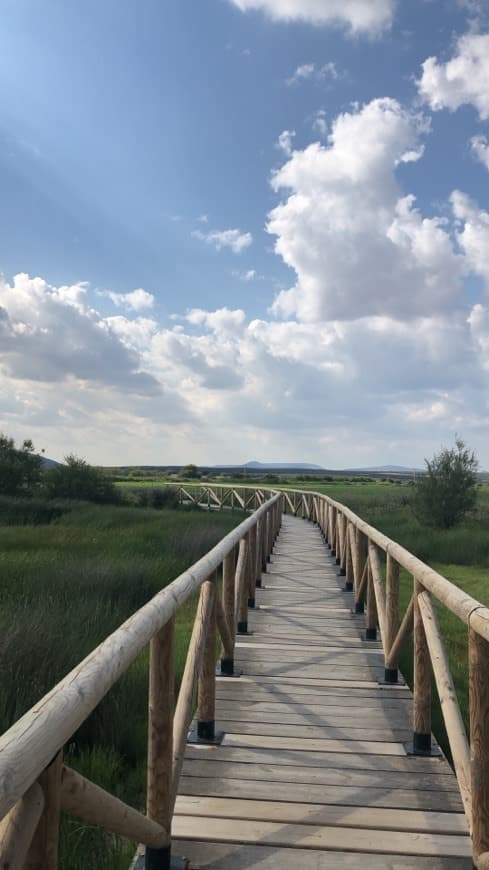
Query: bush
x=448, y=490
x=20, y=468
x=154, y=497
x=79, y=480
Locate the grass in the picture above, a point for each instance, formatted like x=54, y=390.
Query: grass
x=65, y=587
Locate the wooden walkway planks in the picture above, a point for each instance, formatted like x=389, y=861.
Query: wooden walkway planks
x=313, y=772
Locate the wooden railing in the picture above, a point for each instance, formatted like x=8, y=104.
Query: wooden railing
x=365, y=556
x=35, y=785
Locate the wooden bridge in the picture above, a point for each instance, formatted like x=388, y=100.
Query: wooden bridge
x=306, y=750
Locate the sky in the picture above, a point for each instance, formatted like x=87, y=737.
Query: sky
x=245, y=229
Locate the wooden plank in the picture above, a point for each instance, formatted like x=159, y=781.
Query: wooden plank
x=323, y=744
x=219, y=856
x=213, y=768
x=316, y=837
x=319, y=814
x=371, y=720
x=381, y=735
x=339, y=760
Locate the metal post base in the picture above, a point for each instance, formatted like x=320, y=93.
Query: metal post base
x=160, y=859
x=206, y=735
x=226, y=669
x=359, y=607
x=333, y=551
x=243, y=628
x=251, y=602
x=338, y=560
x=258, y=583
x=371, y=634
x=342, y=572
x=391, y=675
x=422, y=745
x=348, y=586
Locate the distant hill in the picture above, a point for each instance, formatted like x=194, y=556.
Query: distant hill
x=394, y=469
x=49, y=463
x=267, y=466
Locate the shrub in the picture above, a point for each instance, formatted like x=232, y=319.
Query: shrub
x=155, y=497
x=20, y=468
x=448, y=490
x=79, y=480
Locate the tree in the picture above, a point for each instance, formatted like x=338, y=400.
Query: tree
x=79, y=480
x=20, y=468
x=190, y=472
x=448, y=490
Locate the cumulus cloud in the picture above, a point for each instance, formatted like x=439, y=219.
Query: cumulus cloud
x=234, y=239
x=248, y=275
x=312, y=71
x=359, y=16
x=136, y=300
x=464, y=79
x=357, y=246
x=480, y=149
x=473, y=233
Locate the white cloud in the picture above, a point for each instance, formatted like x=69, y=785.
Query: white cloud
x=311, y=71
x=473, y=233
x=480, y=149
x=248, y=275
x=464, y=79
x=320, y=124
x=137, y=300
x=357, y=246
x=234, y=239
x=359, y=16
x=285, y=140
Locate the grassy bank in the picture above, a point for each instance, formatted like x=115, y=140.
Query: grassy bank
x=65, y=586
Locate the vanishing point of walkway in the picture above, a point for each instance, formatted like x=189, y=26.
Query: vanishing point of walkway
x=313, y=771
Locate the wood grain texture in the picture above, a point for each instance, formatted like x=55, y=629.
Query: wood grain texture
x=479, y=741
x=161, y=702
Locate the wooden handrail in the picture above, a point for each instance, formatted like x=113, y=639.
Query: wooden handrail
x=32, y=789
x=28, y=746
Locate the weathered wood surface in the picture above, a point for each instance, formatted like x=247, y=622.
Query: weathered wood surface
x=313, y=771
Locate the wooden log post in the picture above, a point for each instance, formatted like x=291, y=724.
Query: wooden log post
x=264, y=540
x=405, y=632
x=339, y=538
x=333, y=532
x=371, y=616
x=206, y=705
x=18, y=826
x=349, y=570
x=161, y=703
x=228, y=594
x=361, y=555
x=422, y=683
x=269, y=534
x=479, y=746
x=43, y=852
x=259, y=552
x=391, y=674
x=241, y=587
x=251, y=569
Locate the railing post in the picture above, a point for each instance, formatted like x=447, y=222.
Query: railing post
x=334, y=530
x=43, y=853
x=422, y=683
x=269, y=535
x=259, y=552
x=228, y=592
x=361, y=556
x=479, y=746
x=251, y=567
x=349, y=573
x=371, y=632
x=391, y=614
x=161, y=704
x=241, y=586
x=206, y=705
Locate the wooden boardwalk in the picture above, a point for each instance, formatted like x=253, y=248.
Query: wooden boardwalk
x=313, y=770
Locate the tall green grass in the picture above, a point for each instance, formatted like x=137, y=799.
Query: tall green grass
x=64, y=587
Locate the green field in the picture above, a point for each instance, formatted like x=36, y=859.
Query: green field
x=65, y=586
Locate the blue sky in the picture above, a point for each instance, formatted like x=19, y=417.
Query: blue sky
x=140, y=150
